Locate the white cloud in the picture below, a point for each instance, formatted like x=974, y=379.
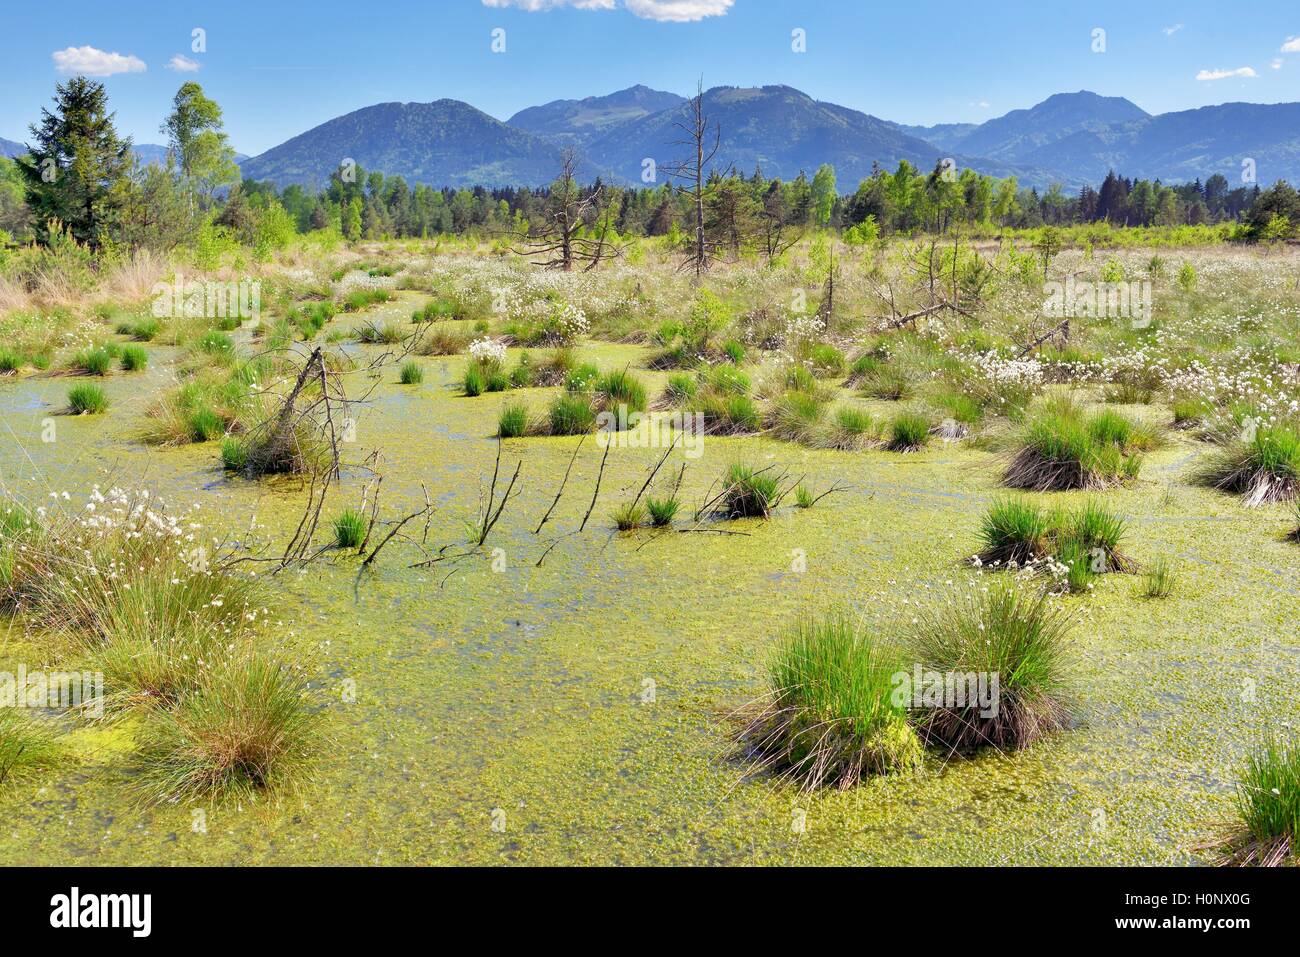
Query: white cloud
x=534, y=6
x=1292, y=45
x=1170, y=31
x=87, y=61
x=1225, y=74
x=678, y=11
x=183, y=64
x=1277, y=63
x=670, y=11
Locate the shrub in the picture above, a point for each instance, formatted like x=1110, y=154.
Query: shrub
x=1262, y=469
x=247, y=728
x=909, y=432
x=572, y=415
x=349, y=529
x=87, y=399
x=513, y=422
x=1004, y=633
x=830, y=717
x=748, y=493
x=412, y=373
x=134, y=358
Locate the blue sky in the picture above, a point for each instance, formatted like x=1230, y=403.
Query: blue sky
x=280, y=69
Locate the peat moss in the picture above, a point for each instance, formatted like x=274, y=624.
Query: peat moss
x=581, y=706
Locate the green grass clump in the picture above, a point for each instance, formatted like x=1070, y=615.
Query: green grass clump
x=26, y=743
x=748, y=493
x=359, y=299
x=803, y=497
x=1268, y=802
x=850, y=429
x=349, y=529
x=734, y=351
x=205, y=424
x=248, y=728
x=234, y=454
x=1264, y=468
x=86, y=398
x=134, y=358
x=724, y=378
x=95, y=361
x=909, y=432
x=379, y=333
x=888, y=383
x=1015, y=530
x=681, y=388
x=796, y=417
x=1160, y=577
x=662, y=510
x=435, y=310
x=10, y=361
x=216, y=346
x=1062, y=449
x=831, y=717
x=475, y=381
x=411, y=374
x=572, y=415
x=630, y=515
x=826, y=359
x=581, y=378
x=622, y=389
x=513, y=422
x=1019, y=638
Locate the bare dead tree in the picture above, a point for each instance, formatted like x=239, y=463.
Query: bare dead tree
x=702, y=139
x=575, y=228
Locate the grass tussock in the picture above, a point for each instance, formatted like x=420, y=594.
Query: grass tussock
x=1268, y=803
x=247, y=728
x=87, y=399
x=1262, y=469
x=830, y=717
x=1004, y=632
x=1063, y=448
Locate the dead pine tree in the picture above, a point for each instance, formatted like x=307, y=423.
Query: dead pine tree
x=702, y=139
x=574, y=229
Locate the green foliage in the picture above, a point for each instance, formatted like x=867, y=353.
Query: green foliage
x=909, y=432
x=831, y=717
x=349, y=529
x=572, y=415
x=85, y=398
x=513, y=422
x=134, y=358
x=412, y=373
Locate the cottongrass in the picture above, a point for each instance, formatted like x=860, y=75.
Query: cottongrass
x=830, y=717
x=26, y=743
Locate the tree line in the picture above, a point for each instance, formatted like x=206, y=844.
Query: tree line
x=80, y=178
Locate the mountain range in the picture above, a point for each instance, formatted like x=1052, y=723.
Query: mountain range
x=146, y=152
x=1070, y=138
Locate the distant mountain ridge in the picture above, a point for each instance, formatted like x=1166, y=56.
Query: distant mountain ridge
x=578, y=122
x=1069, y=138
